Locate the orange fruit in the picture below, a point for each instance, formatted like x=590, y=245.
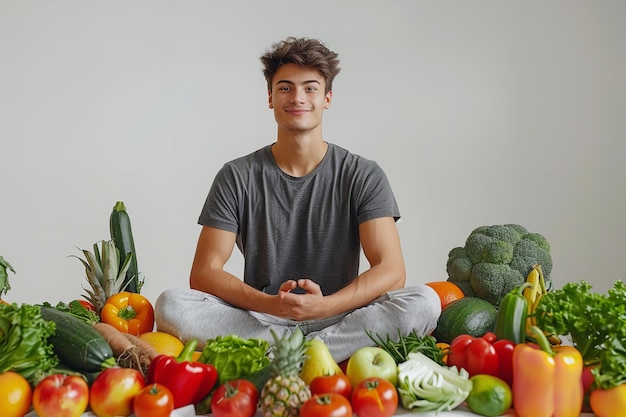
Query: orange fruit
x=15, y=394
x=447, y=291
x=163, y=343
x=445, y=348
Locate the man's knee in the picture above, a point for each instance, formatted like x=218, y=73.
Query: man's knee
x=423, y=308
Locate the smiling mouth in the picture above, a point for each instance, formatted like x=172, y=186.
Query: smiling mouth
x=297, y=110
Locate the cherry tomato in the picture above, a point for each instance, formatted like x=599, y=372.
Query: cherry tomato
x=154, y=400
x=236, y=398
x=374, y=397
x=326, y=405
x=15, y=394
x=338, y=384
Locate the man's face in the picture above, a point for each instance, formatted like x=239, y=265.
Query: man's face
x=298, y=98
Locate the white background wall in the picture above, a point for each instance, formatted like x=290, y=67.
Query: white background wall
x=482, y=112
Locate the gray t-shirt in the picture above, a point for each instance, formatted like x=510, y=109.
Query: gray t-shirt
x=298, y=227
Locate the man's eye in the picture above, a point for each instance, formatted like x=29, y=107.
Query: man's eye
x=311, y=89
x=283, y=88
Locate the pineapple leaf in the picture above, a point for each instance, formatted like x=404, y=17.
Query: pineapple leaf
x=96, y=253
x=125, y=266
x=102, y=273
x=94, y=264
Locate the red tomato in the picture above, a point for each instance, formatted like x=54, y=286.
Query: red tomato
x=154, y=400
x=60, y=395
x=236, y=398
x=113, y=391
x=338, y=384
x=87, y=305
x=374, y=397
x=326, y=405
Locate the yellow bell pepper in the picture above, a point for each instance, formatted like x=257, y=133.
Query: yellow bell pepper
x=547, y=380
x=129, y=312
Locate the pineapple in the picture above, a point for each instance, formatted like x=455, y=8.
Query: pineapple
x=103, y=273
x=285, y=392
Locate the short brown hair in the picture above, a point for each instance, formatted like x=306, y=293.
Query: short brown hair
x=308, y=53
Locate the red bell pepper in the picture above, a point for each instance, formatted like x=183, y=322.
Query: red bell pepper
x=504, y=349
x=483, y=355
x=474, y=354
x=190, y=382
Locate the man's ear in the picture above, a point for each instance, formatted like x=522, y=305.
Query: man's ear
x=269, y=99
x=328, y=99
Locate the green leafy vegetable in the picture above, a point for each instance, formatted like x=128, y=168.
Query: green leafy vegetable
x=612, y=369
x=401, y=348
x=4, y=276
x=77, y=310
x=24, y=346
x=235, y=358
x=593, y=320
x=425, y=385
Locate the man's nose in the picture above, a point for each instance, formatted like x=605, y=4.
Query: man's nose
x=298, y=96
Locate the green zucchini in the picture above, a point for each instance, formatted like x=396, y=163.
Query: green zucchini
x=77, y=344
x=122, y=236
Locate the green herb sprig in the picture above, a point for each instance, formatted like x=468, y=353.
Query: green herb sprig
x=400, y=348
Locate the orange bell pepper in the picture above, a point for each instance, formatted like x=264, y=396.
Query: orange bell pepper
x=547, y=380
x=128, y=312
x=609, y=402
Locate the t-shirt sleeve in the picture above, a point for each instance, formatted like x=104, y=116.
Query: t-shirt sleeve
x=376, y=199
x=220, y=207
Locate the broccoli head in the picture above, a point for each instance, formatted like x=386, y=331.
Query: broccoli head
x=496, y=259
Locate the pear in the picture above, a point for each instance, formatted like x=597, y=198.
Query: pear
x=318, y=362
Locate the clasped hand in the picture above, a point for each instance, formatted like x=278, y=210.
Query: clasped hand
x=301, y=306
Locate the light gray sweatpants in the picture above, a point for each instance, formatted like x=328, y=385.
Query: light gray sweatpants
x=190, y=314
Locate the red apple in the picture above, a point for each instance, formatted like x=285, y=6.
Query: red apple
x=60, y=395
x=114, y=390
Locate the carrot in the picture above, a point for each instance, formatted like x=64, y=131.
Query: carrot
x=119, y=344
x=125, y=347
x=150, y=351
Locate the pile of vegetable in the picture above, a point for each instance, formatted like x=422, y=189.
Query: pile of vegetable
x=498, y=347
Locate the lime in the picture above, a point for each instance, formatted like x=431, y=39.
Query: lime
x=490, y=396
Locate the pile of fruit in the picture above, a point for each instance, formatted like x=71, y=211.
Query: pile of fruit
x=102, y=354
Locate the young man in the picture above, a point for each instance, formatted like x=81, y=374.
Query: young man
x=300, y=210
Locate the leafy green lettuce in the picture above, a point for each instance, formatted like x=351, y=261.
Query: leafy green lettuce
x=24, y=346
x=235, y=358
x=593, y=320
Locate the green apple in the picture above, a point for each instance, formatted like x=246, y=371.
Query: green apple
x=371, y=361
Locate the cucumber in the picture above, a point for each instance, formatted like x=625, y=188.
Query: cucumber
x=468, y=315
x=65, y=369
x=122, y=236
x=77, y=344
